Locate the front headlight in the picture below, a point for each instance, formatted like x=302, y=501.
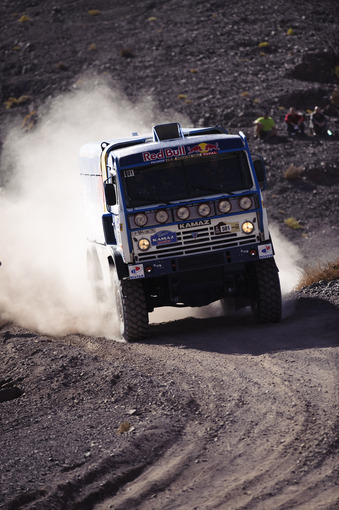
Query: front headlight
x=204, y=209
x=183, y=213
x=161, y=216
x=140, y=219
x=245, y=203
x=143, y=244
x=224, y=206
x=247, y=227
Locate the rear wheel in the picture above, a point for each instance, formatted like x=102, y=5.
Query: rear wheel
x=132, y=309
x=266, y=293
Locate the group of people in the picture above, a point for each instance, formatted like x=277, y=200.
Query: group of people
x=295, y=124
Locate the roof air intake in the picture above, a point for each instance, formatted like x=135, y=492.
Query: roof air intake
x=167, y=131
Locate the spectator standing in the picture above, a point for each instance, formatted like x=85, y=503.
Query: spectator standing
x=265, y=127
x=294, y=122
x=318, y=122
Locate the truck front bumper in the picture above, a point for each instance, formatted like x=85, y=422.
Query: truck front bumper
x=231, y=257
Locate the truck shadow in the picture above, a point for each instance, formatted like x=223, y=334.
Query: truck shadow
x=306, y=323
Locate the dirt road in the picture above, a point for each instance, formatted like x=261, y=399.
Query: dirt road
x=209, y=413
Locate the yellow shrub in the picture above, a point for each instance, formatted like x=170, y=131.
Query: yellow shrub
x=293, y=223
x=124, y=427
x=23, y=18
x=13, y=101
x=322, y=272
x=293, y=172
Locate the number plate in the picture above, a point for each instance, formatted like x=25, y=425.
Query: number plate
x=223, y=228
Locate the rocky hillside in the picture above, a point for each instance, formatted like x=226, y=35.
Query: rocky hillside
x=206, y=62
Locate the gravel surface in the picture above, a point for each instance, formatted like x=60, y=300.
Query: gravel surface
x=212, y=412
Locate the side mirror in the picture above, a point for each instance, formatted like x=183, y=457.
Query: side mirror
x=110, y=195
x=260, y=171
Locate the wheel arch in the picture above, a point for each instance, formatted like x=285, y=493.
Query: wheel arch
x=116, y=261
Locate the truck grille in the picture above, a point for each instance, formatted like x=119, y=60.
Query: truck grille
x=202, y=240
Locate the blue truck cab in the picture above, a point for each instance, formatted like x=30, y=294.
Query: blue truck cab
x=176, y=218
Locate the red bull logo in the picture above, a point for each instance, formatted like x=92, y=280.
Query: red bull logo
x=204, y=148
x=164, y=154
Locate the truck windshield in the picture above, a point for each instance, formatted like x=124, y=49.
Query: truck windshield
x=186, y=178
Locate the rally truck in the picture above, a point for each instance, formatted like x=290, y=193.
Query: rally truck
x=176, y=218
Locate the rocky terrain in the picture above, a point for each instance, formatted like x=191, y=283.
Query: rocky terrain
x=211, y=412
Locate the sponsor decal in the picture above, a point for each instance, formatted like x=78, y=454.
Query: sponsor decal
x=222, y=228
x=136, y=272
x=204, y=148
x=129, y=173
x=194, y=224
x=144, y=232
x=265, y=251
x=163, y=237
x=164, y=154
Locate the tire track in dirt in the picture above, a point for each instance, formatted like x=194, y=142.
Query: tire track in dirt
x=228, y=414
x=263, y=444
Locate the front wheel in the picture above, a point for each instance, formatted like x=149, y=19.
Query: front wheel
x=132, y=309
x=266, y=293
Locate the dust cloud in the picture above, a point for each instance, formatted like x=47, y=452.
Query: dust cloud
x=43, y=277
x=288, y=259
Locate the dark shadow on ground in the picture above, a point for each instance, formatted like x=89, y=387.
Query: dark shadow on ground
x=307, y=323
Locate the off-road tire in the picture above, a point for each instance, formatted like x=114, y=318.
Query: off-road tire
x=266, y=292
x=132, y=309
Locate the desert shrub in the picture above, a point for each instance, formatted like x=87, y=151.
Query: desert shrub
x=30, y=120
x=293, y=223
x=184, y=98
x=321, y=272
x=17, y=101
x=126, y=53
x=23, y=19
x=61, y=66
x=293, y=172
x=124, y=427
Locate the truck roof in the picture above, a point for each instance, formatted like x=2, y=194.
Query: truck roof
x=166, y=136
